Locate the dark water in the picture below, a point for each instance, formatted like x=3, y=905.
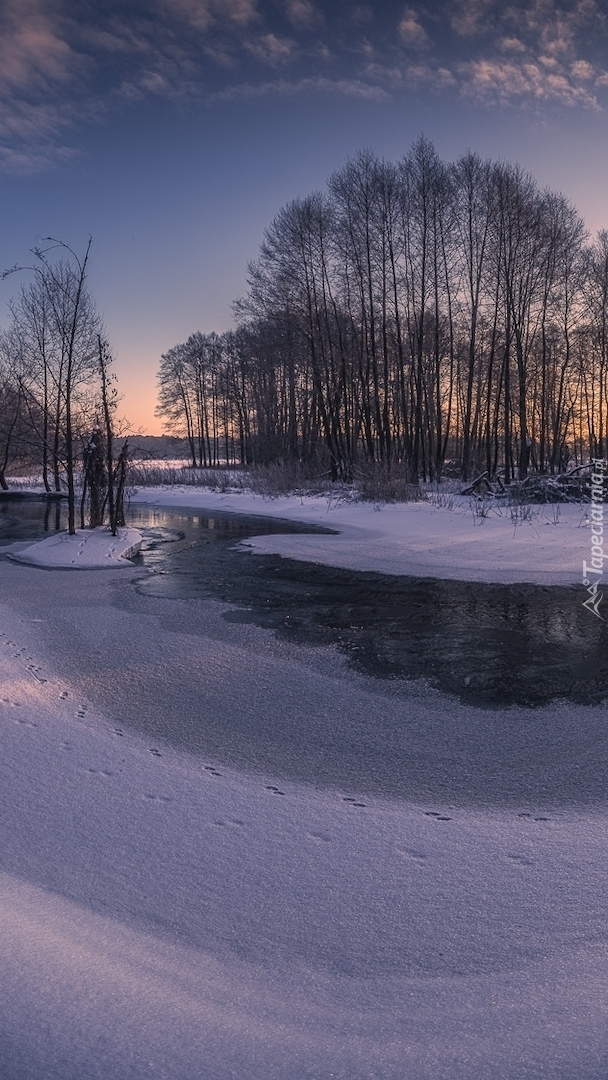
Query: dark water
x=30, y=518
x=488, y=644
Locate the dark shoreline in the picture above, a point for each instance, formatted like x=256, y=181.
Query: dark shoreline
x=32, y=496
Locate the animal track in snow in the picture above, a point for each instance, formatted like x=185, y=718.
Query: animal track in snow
x=411, y=853
x=158, y=798
x=21, y=654
x=100, y=772
x=35, y=671
x=210, y=769
x=436, y=815
x=520, y=859
x=275, y=790
x=155, y=753
x=353, y=802
x=323, y=837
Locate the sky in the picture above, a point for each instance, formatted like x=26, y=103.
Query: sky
x=172, y=131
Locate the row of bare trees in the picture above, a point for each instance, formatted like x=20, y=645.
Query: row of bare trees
x=439, y=316
x=58, y=393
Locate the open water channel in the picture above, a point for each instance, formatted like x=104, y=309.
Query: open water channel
x=490, y=645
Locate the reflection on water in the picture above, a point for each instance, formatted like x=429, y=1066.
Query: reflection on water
x=488, y=644
x=31, y=518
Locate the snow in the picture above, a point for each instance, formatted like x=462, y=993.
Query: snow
x=169, y=917
x=419, y=539
x=225, y=856
x=88, y=549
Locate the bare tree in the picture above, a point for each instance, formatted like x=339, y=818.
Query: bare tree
x=65, y=382
x=14, y=428
x=417, y=316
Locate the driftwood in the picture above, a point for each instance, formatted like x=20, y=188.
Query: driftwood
x=483, y=485
x=479, y=486
x=573, y=486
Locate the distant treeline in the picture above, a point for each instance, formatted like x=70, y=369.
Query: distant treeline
x=158, y=448
x=422, y=314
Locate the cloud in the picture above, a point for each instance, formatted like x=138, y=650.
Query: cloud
x=512, y=45
x=202, y=14
x=435, y=78
x=406, y=75
x=27, y=160
x=470, y=17
x=522, y=53
x=39, y=71
x=64, y=63
x=303, y=14
x=318, y=85
x=271, y=49
x=505, y=82
x=552, y=23
x=361, y=15
x=411, y=32
x=582, y=69
x=33, y=56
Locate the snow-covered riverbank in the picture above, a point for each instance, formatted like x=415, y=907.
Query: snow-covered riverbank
x=168, y=915
x=420, y=538
x=87, y=549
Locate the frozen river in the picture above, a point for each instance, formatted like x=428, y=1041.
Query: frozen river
x=488, y=644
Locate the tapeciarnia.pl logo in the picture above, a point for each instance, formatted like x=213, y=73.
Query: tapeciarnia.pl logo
x=592, y=573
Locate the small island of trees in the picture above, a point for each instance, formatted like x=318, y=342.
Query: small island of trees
x=437, y=319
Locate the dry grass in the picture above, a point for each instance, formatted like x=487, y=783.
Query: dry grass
x=372, y=481
x=380, y=483
x=161, y=475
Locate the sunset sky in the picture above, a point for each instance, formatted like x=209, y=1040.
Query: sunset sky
x=172, y=131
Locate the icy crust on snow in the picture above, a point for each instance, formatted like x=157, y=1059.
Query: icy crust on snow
x=89, y=549
x=418, y=539
x=168, y=917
